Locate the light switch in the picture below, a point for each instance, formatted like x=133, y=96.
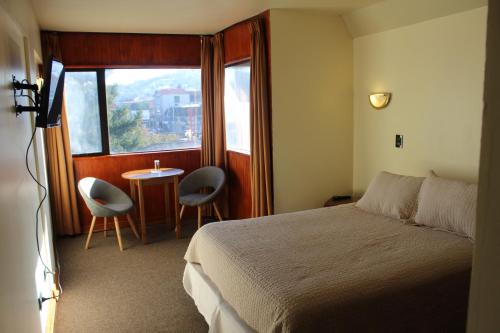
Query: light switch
x=399, y=141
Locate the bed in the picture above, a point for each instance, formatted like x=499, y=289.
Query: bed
x=335, y=269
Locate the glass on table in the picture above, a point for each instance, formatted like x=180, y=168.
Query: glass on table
x=156, y=166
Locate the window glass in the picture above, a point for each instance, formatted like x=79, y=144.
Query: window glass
x=82, y=106
x=153, y=109
x=237, y=107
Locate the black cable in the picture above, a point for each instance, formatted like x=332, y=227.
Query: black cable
x=47, y=269
x=42, y=299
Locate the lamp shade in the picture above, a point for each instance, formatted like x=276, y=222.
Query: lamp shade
x=380, y=100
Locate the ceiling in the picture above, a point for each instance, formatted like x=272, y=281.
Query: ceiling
x=391, y=14
x=168, y=16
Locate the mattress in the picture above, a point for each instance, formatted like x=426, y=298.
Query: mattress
x=336, y=269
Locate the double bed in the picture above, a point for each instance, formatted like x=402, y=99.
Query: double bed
x=335, y=269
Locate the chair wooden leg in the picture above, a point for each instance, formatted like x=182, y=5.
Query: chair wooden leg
x=199, y=217
x=182, y=212
x=118, y=234
x=217, y=211
x=132, y=226
x=105, y=226
x=90, y=233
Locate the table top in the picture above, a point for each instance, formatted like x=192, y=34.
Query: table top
x=145, y=174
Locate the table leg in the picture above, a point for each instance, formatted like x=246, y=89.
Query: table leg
x=142, y=213
x=132, y=190
x=167, y=204
x=178, y=231
x=133, y=197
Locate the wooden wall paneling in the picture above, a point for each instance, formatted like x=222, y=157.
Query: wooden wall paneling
x=188, y=54
x=240, y=196
x=237, y=40
x=110, y=168
x=135, y=48
x=236, y=43
x=87, y=49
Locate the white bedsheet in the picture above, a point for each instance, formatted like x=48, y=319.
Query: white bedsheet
x=218, y=314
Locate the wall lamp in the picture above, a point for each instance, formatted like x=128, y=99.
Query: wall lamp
x=379, y=100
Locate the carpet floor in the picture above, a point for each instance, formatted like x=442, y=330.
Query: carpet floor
x=137, y=290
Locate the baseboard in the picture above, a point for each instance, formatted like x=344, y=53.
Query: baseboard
x=51, y=312
x=51, y=316
x=99, y=225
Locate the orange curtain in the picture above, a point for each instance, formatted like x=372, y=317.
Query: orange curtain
x=207, y=102
x=260, y=123
x=219, y=119
x=60, y=162
x=213, y=138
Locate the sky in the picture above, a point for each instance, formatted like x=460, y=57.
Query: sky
x=127, y=76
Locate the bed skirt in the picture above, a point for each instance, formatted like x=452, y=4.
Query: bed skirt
x=219, y=315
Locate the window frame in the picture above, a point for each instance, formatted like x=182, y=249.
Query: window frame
x=103, y=112
x=231, y=64
x=103, y=109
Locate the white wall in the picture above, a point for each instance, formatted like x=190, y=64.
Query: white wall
x=22, y=274
x=311, y=58
x=435, y=70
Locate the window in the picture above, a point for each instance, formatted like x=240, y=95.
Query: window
x=151, y=109
x=84, y=120
x=237, y=107
x=134, y=110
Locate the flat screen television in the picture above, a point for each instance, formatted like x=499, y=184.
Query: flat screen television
x=49, y=114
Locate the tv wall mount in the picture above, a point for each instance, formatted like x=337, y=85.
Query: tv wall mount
x=18, y=88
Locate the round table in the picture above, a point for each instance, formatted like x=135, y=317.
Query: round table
x=163, y=176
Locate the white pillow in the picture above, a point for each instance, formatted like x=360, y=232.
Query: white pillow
x=447, y=205
x=391, y=195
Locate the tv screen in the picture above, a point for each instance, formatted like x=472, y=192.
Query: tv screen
x=52, y=95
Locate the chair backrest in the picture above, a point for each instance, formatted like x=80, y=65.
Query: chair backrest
x=94, y=190
x=206, y=177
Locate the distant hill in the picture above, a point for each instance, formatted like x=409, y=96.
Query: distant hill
x=187, y=79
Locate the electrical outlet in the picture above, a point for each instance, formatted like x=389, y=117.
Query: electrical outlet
x=399, y=141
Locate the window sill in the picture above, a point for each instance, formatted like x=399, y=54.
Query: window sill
x=157, y=152
x=241, y=152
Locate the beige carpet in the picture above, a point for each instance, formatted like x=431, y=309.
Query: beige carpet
x=137, y=290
